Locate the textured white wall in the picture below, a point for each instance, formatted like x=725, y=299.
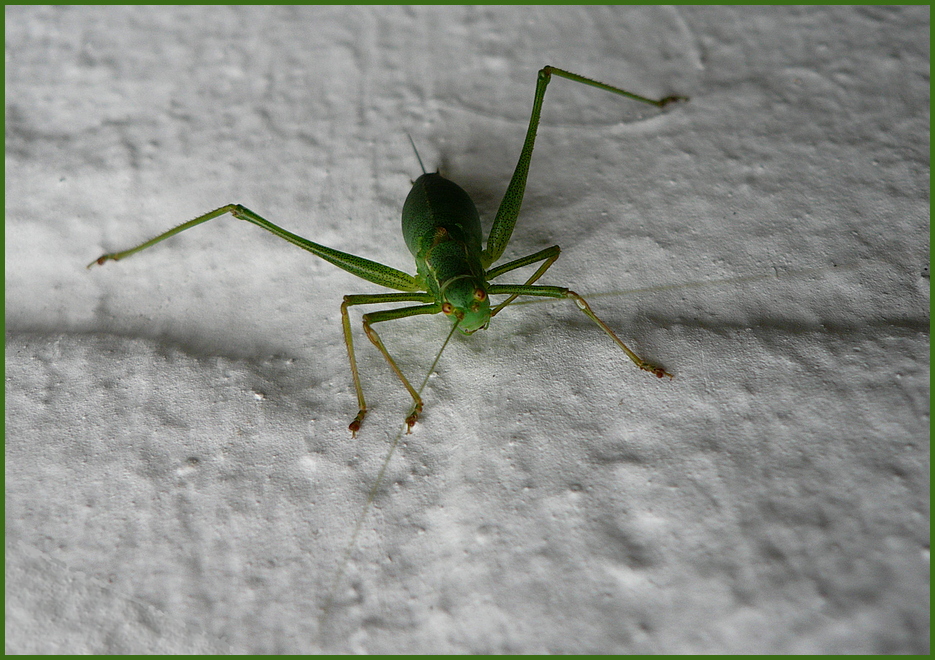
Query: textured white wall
x=179, y=474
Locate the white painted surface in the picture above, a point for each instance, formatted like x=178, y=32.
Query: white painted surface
x=178, y=470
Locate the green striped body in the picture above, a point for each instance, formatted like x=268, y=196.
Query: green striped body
x=442, y=230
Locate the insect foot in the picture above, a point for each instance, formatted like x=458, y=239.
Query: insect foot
x=354, y=426
x=413, y=417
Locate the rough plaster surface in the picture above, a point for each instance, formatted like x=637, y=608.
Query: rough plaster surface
x=179, y=476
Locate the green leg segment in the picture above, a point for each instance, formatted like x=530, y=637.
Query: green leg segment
x=561, y=292
x=377, y=317
x=366, y=269
x=548, y=254
x=508, y=212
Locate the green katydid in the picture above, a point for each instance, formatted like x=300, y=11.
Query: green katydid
x=442, y=230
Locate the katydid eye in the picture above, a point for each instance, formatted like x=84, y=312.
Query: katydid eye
x=479, y=294
x=447, y=308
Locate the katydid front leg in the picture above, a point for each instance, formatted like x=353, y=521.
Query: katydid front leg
x=376, y=317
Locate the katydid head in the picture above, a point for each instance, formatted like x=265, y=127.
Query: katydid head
x=466, y=301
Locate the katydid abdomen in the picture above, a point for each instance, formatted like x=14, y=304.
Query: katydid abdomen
x=441, y=228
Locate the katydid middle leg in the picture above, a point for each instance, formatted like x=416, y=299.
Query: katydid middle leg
x=561, y=292
x=548, y=254
x=376, y=317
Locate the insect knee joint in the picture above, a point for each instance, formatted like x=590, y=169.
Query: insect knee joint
x=579, y=301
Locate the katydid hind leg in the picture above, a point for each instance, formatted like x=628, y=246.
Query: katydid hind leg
x=365, y=269
x=507, y=214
